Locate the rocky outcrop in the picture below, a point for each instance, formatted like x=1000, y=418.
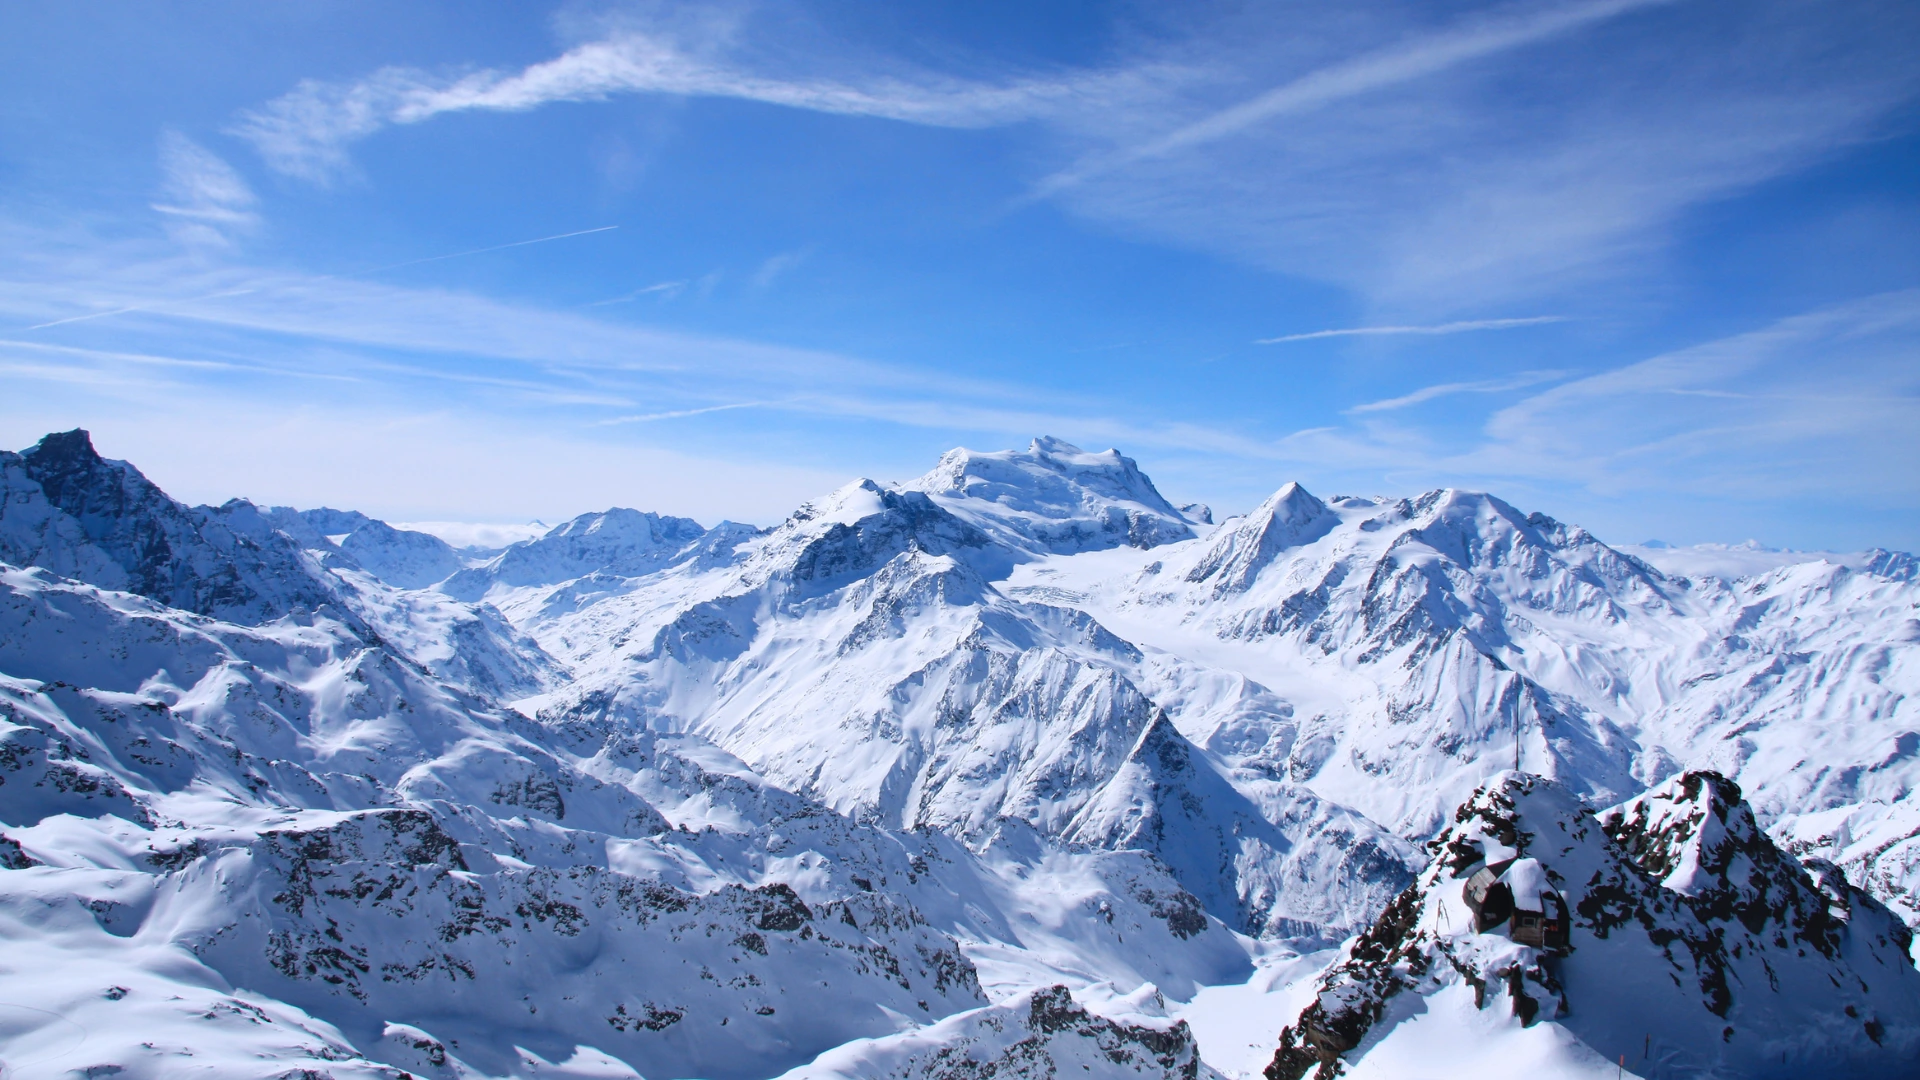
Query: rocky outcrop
x=1695, y=944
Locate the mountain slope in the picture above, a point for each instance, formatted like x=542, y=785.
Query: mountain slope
x=408, y=877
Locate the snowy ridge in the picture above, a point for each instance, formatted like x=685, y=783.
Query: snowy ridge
x=1038, y=1034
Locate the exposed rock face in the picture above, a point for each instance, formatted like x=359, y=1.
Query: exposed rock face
x=1696, y=944
x=64, y=507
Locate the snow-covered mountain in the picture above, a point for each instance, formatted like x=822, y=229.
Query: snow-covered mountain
x=621, y=543
x=1013, y=768
x=1056, y=499
x=1422, y=644
x=860, y=653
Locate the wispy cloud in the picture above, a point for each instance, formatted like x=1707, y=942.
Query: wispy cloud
x=774, y=266
x=151, y=307
x=1821, y=408
x=1484, y=386
x=155, y=307
x=666, y=290
x=1371, y=71
x=676, y=414
x=395, y=335
x=1546, y=155
x=307, y=131
x=1393, y=156
x=1441, y=328
x=205, y=200
x=115, y=356
x=1826, y=372
x=381, y=343
x=481, y=250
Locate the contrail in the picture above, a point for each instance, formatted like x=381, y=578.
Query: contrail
x=147, y=307
x=1443, y=328
x=477, y=251
x=677, y=413
x=357, y=273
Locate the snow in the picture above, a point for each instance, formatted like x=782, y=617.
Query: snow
x=1445, y=1036
x=1528, y=880
x=1238, y=1024
x=1054, y=498
x=1017, y=725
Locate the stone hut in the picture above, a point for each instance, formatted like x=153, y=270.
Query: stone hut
x=1516, y=892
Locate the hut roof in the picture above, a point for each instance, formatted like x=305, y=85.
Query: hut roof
x=1528, y=881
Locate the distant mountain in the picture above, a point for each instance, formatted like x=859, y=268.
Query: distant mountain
x=1055, y=498
x=616, y=543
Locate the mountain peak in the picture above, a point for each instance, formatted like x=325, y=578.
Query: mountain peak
x=103, y=522
x=77, y=443
x=1719, y=965
x=618, y=541
x=1050, y=445
x=64, y=459
x=1289, y=518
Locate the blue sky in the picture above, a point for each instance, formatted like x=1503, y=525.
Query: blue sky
x=1648, y=265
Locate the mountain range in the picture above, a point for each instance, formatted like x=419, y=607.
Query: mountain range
x=1011, y=769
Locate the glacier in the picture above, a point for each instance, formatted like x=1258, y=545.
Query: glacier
x=1012, y=768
